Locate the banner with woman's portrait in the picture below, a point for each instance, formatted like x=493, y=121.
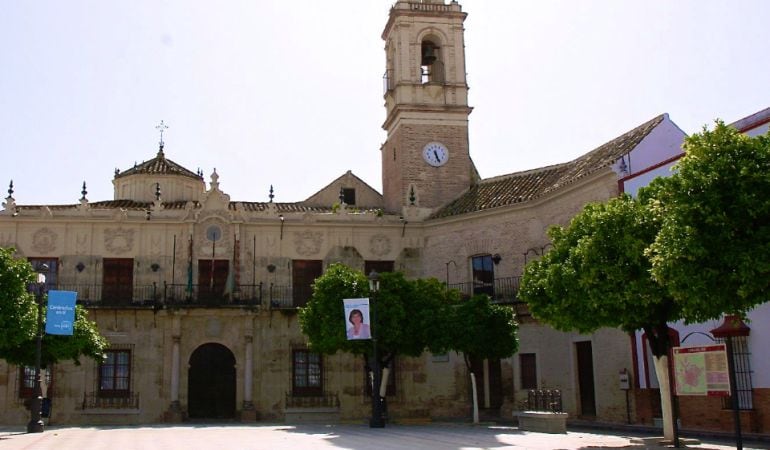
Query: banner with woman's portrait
x=357, y=323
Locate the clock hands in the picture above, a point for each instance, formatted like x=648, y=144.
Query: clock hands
x=435, y=153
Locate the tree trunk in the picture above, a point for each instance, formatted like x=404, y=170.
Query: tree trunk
x=384, y=381
x=666, y=406
x=475, y=399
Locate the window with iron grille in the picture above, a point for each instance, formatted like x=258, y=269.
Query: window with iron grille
x=115, y=374
x=744, y=388
x=307, y=373
x=528, y=370
x=27, y=382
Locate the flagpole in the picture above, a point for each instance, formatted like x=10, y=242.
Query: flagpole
x=173, y=263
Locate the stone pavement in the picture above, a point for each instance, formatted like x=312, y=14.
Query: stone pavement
x=348, y=436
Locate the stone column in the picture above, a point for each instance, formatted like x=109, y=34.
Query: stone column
x=174, y=413
x=248, y=413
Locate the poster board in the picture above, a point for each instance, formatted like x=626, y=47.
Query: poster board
x=701, y=370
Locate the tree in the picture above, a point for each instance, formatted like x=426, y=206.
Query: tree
x=696, y=245
x=597, y=275
x=18, y=322
x=481, y=329
x=713, y=249
x=408, y=315
x=18, y=313
x=412, y=316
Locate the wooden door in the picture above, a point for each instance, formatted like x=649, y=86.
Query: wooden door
x=117, y=281
x=585, y=368
x=212, y=279
x=211, y=383
x=304, y=273
x=488, y=377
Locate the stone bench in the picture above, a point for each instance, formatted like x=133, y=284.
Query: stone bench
x=542, y=421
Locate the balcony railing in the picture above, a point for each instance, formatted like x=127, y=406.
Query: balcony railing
x=500, y=290
x=269, y=296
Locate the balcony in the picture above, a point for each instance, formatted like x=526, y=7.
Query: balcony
x=504, y=291
x=269, y=296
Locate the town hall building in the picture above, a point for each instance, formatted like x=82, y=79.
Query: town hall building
x=198, y=293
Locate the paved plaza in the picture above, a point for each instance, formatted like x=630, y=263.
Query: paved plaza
x=350, y=436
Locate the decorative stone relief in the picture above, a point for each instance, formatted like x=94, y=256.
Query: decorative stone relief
x=118, y=240
x=308, y=242
x=44, y=241
x=155, y=245
x=380, y=245
x=213, y=327
x=81, y=243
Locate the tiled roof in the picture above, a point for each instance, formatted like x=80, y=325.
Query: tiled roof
x=281, y=207
x=159, y=166
x=525, y=186
x=111, y=204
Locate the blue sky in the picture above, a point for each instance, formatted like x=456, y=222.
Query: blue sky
x=289, y=93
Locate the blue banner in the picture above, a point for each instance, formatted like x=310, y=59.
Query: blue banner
x=60, y=318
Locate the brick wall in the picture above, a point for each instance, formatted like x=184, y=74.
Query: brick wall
x=706, y=413
x=434, y=186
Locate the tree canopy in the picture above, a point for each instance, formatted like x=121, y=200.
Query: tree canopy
x=18, y=314
x=597, y=275
x=408, y=313
x=713, y=249
x=483, y=329
x=412, y=316
x=18, y=321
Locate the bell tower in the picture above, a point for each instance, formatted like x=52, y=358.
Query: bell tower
x=425, y=159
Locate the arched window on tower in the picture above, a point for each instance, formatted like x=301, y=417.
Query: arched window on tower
x=431, y=63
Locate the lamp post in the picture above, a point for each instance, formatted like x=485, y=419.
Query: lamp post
x=376, y=420
x=36, y=424
x=447, y=271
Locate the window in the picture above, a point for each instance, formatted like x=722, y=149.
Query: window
x=378, y=266
x=115, y=374
x=307, y=370
x=528, y=369
x=51, y=278
x=27, y=382
x=349, y=196
x=483, y=275
x=743, y=385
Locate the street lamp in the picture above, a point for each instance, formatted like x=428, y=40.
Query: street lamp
x=447, y=271
x=376, y=420
x=35, y=424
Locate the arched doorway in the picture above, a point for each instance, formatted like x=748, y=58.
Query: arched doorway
x=211, y=383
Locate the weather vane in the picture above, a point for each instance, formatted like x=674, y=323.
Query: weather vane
x=161, y=127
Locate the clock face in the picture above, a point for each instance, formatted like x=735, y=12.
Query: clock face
x=435, y=154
